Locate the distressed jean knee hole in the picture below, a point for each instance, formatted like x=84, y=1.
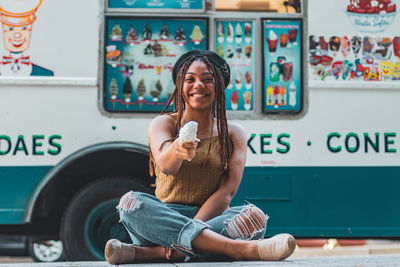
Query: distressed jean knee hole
x=129, y=202
x=246, y=224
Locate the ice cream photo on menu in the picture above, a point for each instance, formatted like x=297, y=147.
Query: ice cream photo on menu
x=272, y=42
x=17, y=18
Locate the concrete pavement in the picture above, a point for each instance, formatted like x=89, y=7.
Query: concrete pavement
x=387, y=260
x=374, y=253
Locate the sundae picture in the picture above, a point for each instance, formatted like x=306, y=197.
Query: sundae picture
x=113, y=55
x=238, y=33
x=131, y=36
x=292, y=37
x=234, y=100
x=127, y=90
x=116, y=34
x=197, y=36
x=230, y=85
x=220, y=32
x=148, y=50
x=247, y=100
x=283, y=38
x=229, y=33
x=247, y=53
x=345, y=46
x=356, y=44
x=220, y=50
x=147, y=34
x=141, y=90
x=164, y=34
x=272, y=42
x=238, y=80
x=156, y=93
x=229, y=52
x=113, y=89
x=247, y=32
x=247, y=77
x=159, y=49
x=180, y=36
x=128, y=66
x=238, y=52
x=371, y=15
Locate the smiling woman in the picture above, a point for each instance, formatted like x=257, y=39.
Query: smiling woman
x=195, y=180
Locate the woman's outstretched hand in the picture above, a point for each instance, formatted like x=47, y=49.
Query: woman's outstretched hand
x=186, y=150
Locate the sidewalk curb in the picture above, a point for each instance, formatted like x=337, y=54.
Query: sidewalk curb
x=302, y=252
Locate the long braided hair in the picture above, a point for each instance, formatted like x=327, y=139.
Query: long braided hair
x=218, y=111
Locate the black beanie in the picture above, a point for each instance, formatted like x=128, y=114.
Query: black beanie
x=219, y=62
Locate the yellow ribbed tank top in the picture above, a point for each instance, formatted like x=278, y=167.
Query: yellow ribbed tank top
x=192, y=184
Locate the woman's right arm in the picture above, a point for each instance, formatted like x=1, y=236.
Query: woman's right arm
x=169, y=158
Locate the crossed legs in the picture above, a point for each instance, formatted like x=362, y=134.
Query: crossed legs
x=247, y=223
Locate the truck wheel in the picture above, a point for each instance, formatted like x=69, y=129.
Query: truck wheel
x=46, y=250
x=91, y=218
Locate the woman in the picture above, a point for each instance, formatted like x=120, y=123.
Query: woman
x=196, y=180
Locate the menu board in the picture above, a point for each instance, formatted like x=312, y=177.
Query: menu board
x=282, y=63
x=364, y=48
x=139, y=57
x=164, y=5
x=234, y=42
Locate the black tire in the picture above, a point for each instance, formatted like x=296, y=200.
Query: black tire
x=91, y=218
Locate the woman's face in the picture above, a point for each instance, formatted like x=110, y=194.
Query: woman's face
x=198, y=86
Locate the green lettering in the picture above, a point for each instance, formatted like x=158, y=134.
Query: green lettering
x=264, y=143
x=328, y=142
x=36, y=144
x=7, y=140
x=57, y=146
x=20, y=145
x=284, y=143
x=368, y=141
x=249, y=145
x=350, y=136
x=389, y=142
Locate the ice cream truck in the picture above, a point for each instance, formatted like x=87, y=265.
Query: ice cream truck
x=315, y=84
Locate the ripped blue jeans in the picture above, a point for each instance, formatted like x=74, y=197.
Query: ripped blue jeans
x=151, y=222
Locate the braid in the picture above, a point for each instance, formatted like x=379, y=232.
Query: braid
x=225, y=141
x=177, y=99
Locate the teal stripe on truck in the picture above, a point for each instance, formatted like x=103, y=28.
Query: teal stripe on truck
x=16, y=187
x=325, y=201
x=304, y=201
